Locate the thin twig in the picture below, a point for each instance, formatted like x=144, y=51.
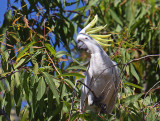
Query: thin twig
x=73, y=94
x=68, y=11
x=54, y=64
x=88, y=88
x=147, y=56
x=151, y=88
x=151, y=108
x=8, y=75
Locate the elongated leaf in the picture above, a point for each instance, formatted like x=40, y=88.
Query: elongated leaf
x=134, y=73
x=35, y=70
x=41, y=89
x=159, y=61
x=133, y=85
x=69, y=82
x=61, y=53
x=20, y=55
x=19, y=63
x=17, y=78
x=52, y=86
x=77, y=67
x=115, y=17
x=50, y=48
x=72, y=74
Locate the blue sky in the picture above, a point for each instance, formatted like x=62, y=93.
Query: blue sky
x=3, y=8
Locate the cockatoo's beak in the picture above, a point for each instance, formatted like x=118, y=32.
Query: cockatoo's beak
x=81, y=45
x=101, y=39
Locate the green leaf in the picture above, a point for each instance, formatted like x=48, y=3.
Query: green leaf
x=19, y=63
x=115, y=17
x=123, y=53
x=132, y=98
x=90, y=4
x=134, y=73
x=26, y=79
x=41, y=88
x=77, y=67
x=87, y=21
x=21, y=54
x=46, y=68
x=35, y=70
x=17, y=78
x=159, y=61
x=70, y=83
x=50, y=48
x=133, y=85
x=59, y=54
x=51, y=85
x=73, y=74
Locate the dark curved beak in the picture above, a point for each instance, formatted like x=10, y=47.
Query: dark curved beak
x=81, y=45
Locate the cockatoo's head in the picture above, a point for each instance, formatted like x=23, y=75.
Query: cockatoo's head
x=90, y=42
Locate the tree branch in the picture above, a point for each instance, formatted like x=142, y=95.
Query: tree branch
x=73, y=93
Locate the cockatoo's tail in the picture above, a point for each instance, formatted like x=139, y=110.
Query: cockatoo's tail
x=101, y=39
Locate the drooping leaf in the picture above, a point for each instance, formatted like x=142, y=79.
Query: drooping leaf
x=35, y=70
x=17, y=78
x=115, y=17
x=19, y=63
x=134, y=73
x=41, y=88
x=52, y=86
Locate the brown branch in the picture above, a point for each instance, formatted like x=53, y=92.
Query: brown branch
x=147, y=56
x=71, y=11
x=88, y=88
x=54, y=65
x=8, y=75
x=151, y=88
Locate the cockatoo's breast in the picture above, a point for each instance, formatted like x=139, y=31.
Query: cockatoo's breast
x=99, y=64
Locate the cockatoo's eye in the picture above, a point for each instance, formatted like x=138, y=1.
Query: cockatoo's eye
x=86, y=38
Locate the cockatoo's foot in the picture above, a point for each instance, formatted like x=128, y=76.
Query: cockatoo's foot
x=97, y=100
x=103, y=108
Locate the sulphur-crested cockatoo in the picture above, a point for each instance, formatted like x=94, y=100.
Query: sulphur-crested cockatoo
x=102, y=77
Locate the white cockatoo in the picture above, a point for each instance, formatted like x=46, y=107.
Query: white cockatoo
x=102, y=78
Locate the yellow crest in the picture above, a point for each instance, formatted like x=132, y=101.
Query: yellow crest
x=101, y=39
